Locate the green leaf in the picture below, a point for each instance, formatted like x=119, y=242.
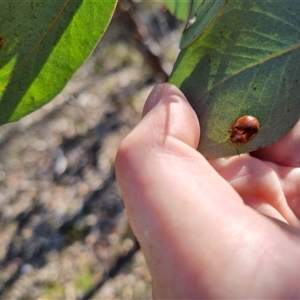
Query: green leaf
x=205, y=14
x=42, y=44
x=246, y=62
x=183, y=10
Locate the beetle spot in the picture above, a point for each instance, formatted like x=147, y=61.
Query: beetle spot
x=244, y=129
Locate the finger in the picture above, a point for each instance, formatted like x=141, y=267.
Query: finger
x=285, y=152
x=161, y=176
x=184, y=117
x=289, y=179
x=184, y=214
x=260, y=185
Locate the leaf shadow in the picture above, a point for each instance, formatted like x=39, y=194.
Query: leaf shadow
x=30, y=45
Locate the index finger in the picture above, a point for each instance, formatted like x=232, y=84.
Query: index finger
x=286, y=152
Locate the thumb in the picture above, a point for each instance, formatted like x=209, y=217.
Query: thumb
x=172, y=104
x=145, y=160
x=167, y=186
x=190, y=222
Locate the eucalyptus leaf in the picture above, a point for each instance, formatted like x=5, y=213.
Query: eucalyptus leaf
x=183, y=10
x=205, y=14
x=246, y=62
x=42, y=44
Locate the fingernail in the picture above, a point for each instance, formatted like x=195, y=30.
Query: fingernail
x=153, y=99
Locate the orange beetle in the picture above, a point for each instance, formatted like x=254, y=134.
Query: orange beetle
x=244, y=129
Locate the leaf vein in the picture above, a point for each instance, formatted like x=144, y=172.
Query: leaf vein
x=261, y=61
x=51, y=25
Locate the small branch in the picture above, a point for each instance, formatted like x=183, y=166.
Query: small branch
x=129, y=18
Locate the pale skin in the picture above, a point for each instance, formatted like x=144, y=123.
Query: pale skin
x=223, y=229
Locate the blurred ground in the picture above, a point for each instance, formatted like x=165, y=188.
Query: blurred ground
x=62, y=219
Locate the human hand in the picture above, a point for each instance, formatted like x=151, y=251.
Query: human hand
x=199, y=238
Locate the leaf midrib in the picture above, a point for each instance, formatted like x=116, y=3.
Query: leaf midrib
x=252, y=65
x=48, y=29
